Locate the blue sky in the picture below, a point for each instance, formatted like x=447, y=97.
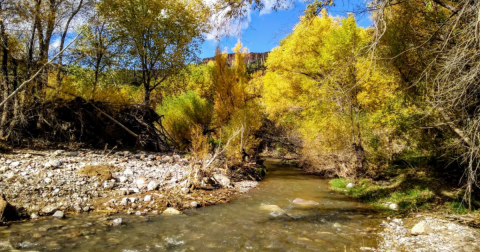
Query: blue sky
x=266, y=29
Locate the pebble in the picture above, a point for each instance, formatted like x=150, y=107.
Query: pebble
x=440, y=235
x=194, y=204
x=147, y=198
x=31, y=185
x=34, y=216
x=350, y=185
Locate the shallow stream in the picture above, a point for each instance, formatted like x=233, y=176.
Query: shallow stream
x=337, y=223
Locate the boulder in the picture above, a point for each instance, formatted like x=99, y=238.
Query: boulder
x=305, y=203
x=117, y=222
x=271, y=208
x=171, y=211
x=421, y=229
x=224, y=181
x=58, y=214
x=7, y=211
x=49, y=209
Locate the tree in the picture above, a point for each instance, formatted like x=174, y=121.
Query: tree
x=320, y=80
x=441, y=60
x=95, y=52
x=159, y=36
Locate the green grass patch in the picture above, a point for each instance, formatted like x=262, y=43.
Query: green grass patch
x=456, y=207
x=398, y=190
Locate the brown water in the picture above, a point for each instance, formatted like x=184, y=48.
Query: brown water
x=336, y=224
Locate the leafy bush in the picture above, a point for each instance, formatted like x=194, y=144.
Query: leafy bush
x=183, y=112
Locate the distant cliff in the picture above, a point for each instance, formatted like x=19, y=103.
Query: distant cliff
x=254, y=61
x=250, y=58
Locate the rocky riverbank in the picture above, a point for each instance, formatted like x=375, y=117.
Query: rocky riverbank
x=40, y=183
x=427, y=233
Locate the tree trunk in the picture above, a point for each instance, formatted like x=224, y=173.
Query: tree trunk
x=62, y=43
x=5, y=81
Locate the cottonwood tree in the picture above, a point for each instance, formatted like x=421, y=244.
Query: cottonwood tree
x=97, y=51
x=160, y=37
x=438, y=55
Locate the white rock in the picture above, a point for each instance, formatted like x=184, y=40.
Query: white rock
x=47, y=180
x=124, y=202
x=108, y=184
x=185, y=190
x=53, y=164
x=393, y=206
x=194, y=204
x=152, y=185
x=224, y=181
x=58, y=214
x=10, y=175
x=49, y=209
x=34, y=216
x=350, y=185
x=171, y=211
x=133, y=199
x=147, y=198
x=141, y=182
x=122, y=179
x=77, y=208
x=128, y=172
x=14, y=164
x=117, y=222
x=421, y=229
x=138, y=213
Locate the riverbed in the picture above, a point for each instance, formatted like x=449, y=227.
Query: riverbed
x=330, y=222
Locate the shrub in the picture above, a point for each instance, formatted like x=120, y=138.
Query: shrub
x=183, y=112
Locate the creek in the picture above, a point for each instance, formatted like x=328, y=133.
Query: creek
x=336, y=223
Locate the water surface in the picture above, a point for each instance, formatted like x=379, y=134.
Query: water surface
x=337, y=223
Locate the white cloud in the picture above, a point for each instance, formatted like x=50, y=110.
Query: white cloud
x=269, y=4
x=224, y=26
x=55, y=45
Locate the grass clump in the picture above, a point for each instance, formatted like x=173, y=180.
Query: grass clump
x=456, y=207
x=406, y=193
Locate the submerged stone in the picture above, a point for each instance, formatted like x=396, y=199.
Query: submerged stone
x=303, y=202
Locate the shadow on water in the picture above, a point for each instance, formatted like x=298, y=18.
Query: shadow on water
x=337, y=223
